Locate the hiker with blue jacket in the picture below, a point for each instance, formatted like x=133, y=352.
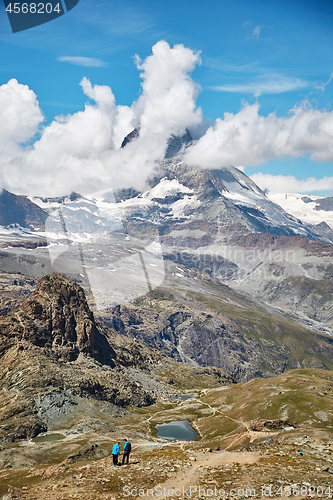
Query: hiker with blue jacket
x=115, y=453
x=127, y=451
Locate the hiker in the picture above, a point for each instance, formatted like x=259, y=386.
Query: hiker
x=115, y=453
x=127, y=451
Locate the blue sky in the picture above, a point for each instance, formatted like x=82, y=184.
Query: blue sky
x=277, y=53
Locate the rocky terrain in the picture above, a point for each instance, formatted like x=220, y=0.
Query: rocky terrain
x=58, y=366
x=272, y=436
x=202, y=268
x=197, y=320
x=19, y=210
x=14, y=289
x=214, y=221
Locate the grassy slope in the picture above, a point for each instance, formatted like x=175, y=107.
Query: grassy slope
x=303, y=347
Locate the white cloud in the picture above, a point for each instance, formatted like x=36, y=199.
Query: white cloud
x=167, y=103
x=322, y=86
x=81, y=152
x=20, y=114
x=269, y=85
x=220, y=64
x=256, y=31
x=20, y=121
x=253, y=32
x=290, y=184
x=249, y=139
x=88, y=62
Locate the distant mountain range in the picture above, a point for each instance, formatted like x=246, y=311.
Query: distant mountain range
x=191, y=227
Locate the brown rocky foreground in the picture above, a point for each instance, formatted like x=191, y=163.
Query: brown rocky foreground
x=280, y=463
x=178, y=470
x=274, y=435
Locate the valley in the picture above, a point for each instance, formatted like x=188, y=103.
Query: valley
x=114, y=304
x=258, y=447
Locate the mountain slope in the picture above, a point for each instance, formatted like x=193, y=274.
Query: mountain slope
x=315, y=211
x=226, y=198
x=59, y=367
x=21, y=211
x=198, y=320
x=216, y=222
x=250, y=438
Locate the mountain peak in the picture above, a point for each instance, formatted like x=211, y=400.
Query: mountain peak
x=175, y=142
x=57, y=317
x=130, y=137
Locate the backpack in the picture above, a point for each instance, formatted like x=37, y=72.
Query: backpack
x=128, y=447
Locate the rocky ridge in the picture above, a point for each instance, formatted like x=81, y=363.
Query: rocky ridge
x=58, y=365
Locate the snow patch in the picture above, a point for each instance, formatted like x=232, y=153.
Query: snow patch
x=293, y=204
x=167, y=188
x=180, y=207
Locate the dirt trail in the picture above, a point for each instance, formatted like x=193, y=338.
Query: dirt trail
x=254, y=435
x=190, y=478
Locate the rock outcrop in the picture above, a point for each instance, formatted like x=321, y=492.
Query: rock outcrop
x=58, y=365
x=57, y=317
x=20, y=210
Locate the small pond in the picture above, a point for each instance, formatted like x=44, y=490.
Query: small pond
x=48, y=438
x=183, y=397
x=180, y=430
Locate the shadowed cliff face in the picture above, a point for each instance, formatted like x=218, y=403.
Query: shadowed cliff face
x=56, y=316
x=20, y=210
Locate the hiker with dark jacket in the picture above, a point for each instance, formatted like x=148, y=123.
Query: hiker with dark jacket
x=127, y=451
x=115, y=453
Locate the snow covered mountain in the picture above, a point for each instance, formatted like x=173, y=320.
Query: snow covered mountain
x=214, y=221
x=180, y=195
x=316, y=211
x=224, y=198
